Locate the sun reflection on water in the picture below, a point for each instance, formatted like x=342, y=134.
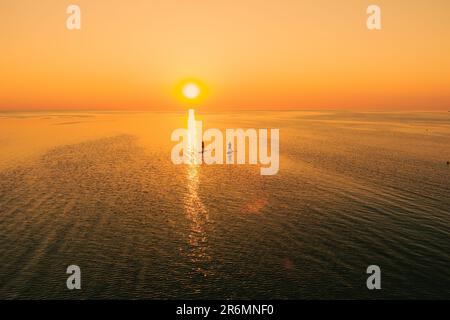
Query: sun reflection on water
x=195, y=209
x=192, y=146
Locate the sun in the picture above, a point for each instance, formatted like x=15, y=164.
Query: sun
x=191, y=90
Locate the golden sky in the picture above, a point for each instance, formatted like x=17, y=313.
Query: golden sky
x=250, y=54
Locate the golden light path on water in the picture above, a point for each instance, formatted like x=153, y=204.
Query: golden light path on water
x=196, y=211
x=192, y=147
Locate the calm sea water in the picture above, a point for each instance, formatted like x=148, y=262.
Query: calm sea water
x=99, y=190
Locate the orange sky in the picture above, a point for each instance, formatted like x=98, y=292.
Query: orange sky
x=251, y=54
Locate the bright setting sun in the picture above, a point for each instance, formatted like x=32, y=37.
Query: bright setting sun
x=191, y=91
